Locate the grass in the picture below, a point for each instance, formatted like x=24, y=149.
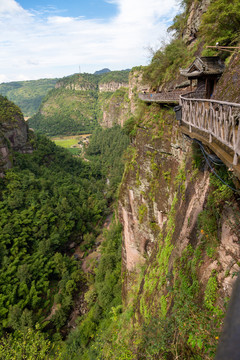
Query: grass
x=69, y=142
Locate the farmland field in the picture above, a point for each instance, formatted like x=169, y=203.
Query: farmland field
x=71, y=142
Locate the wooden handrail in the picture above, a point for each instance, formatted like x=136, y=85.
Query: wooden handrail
x=218, y=119
x=208, y=100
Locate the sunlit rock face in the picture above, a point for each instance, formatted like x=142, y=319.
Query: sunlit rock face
x=122, y=104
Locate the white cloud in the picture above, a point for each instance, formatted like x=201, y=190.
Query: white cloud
x=9, y=6
x=34, y=44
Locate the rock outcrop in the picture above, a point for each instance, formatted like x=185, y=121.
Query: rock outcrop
x=14, y=134
x=136, y=86
x=147, y=188
x=197, y=9
x=115, y=108
x=78, y=82
x=112, y=86
x=227, y=88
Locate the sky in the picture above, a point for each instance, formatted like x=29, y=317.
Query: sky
x=56, y=38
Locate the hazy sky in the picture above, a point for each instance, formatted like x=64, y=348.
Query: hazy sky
x=54, y=38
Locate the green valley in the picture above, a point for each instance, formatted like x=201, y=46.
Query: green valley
x=49, y=200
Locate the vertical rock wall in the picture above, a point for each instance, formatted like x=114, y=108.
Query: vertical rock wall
x=197, y=9
x=14, y=133
x=159, y=171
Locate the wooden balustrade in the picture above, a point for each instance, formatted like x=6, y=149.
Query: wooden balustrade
x=217, y=119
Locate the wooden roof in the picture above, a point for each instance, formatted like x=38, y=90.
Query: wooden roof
x=207, y=65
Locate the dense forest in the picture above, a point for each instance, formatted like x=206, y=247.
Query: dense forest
x=48, y=201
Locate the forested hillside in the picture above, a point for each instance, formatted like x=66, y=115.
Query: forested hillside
x=49, y=200
x=27, y=95
x=66, y=112
x=115, y=76
x=76, y=105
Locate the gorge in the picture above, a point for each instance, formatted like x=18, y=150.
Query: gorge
x=154, y=283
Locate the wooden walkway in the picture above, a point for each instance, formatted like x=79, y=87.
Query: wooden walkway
x=171, y=97
x=216, y=123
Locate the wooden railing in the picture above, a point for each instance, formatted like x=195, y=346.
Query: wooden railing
x=217, y=119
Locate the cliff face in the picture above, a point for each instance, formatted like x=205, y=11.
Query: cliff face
x=146, y=192
x=112, y=86
x=181, y=238
x=14, y=133
x=197, y=9
x=118, y=106
x=227, y=87
x=115, y=107
x=136, y=86
x=78, y=82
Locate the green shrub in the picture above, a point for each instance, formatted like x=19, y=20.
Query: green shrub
x=165, y=63
x=211, y=292
x=221, y=22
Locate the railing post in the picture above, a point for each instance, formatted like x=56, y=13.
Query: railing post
x=235, y=159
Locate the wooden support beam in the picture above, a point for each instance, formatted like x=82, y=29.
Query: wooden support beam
x=224, y=48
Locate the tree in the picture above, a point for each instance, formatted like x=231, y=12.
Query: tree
x=27, y=345
x=221, y=23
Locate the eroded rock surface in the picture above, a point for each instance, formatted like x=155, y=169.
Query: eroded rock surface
x=197, y=9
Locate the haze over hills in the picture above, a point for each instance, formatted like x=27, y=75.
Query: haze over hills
x=103, y=71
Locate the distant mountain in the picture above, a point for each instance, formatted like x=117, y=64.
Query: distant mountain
x=70, y=108
x=120, y=76
x=103, y=71
x=77, y=103
x=27, y=95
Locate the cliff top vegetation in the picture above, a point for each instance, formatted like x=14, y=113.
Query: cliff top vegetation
x=220, y=25
x=8, y=111
x=115, y=76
